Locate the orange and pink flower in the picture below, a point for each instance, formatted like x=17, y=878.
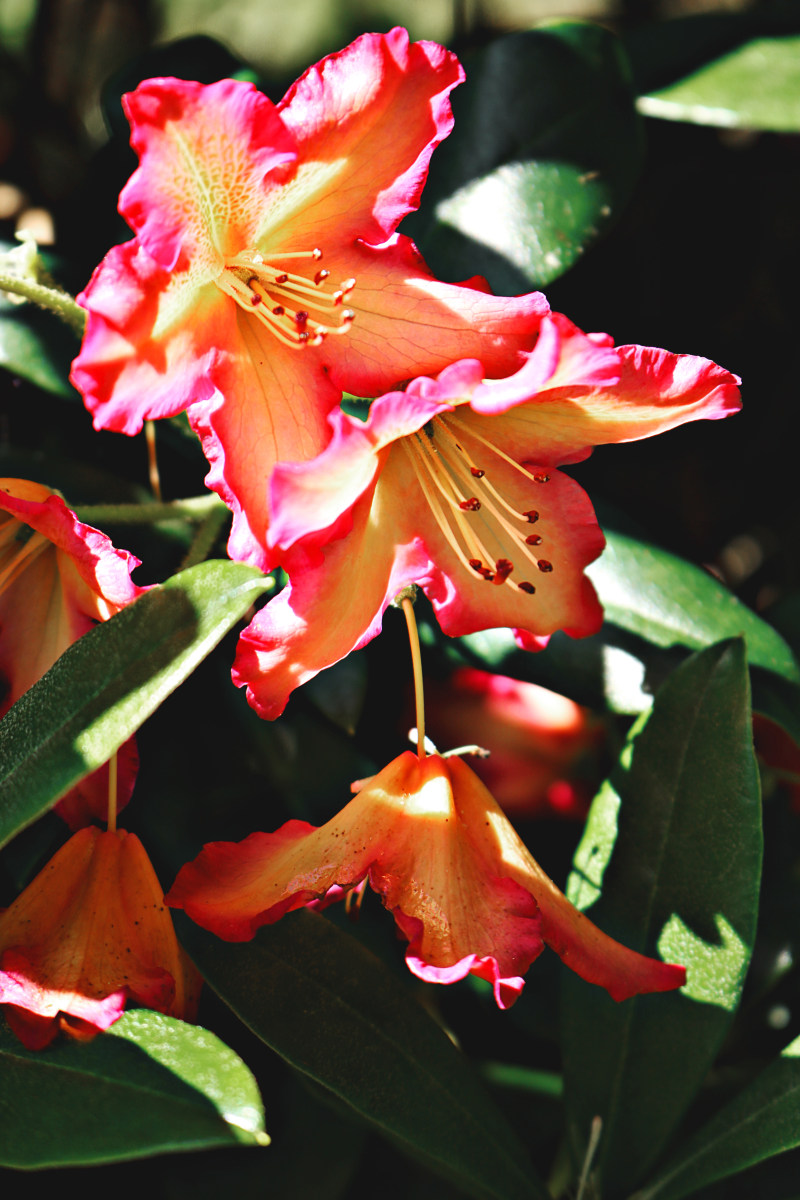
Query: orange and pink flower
x=453, y=484
x=88, y=934
x=58, y=578
x=266, y=275
x=464, y=890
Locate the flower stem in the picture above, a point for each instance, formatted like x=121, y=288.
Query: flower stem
x=416, y=660
x=51, y=298
x=111, y=822
x=205, y=537
x=152, y=460
x=195, y=508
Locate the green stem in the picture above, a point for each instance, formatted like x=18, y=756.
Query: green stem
x=205, y=537
x=196, y=508
x=53, y=299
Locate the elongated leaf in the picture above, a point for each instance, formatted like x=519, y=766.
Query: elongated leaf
x=148, y=1085
x=110, y=681
x=680, y=822
x=327, y=1006
x=544, y=153
x=756, y=86
x=764, y=1119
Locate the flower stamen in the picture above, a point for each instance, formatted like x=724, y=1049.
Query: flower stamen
x=33, y=545
x=295, y=308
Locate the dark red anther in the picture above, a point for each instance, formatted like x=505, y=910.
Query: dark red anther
x=303, y=337
x=524, y=586
x=255, y=299
x=471, y=505
x=321, y=275
x=531, y=516
x=476, y=564
x=533, y=539
x=477, y=472
x=278, y=310
x=544, y=565
x=301, y=317
x=487, y=574
x=541, y=478
x=503, y=568
x=282, y=278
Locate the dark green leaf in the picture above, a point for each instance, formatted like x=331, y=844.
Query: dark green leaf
x=544, y=154
x=756, y=86
x=764, y=1119
x=148, y=1085
x=35, y=347
x=682, y=816
x=327, y=1006
x=110, y=681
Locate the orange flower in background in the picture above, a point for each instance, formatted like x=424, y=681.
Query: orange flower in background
x=463, y=889
x=537, y=740
x=88, y=934
x=58, y=578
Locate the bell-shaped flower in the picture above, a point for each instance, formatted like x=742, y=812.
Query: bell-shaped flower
x=432, y=842
x=58, y=578
x=266, y=276
x=453, y=484
x=90, y=933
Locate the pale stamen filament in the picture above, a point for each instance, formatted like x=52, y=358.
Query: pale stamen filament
x=432, y=463
x=418, y=464
x=495, y=449
x=441, y=427
x=518, y=538
x=32, y=548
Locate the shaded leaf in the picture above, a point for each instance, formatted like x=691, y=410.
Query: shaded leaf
x=328, y=1007
x=544, y=154
x=763, y=1120
x=34, y=346
x=672, y=848
x=110, y=681
x=150, y=1084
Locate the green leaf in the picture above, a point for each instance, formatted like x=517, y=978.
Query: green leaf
x=35, y=347
x=149, y=1085
x=544, y=154
x=334, y=1012
x=110, y=681
x=756, y=86
x=680, y=822
x=763, y=1120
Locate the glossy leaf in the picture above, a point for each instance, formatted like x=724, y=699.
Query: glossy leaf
x=756, y=86
x=763, y=1120
x=110, y=681
x=150, y=1084
x=672, y=856
x=334, y=1012
x=544, y=154
x=34, y=347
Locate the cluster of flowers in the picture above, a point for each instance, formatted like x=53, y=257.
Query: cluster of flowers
x=266, y=278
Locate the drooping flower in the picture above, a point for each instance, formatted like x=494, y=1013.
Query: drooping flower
x=58, y=578
x=266, y=275
x=539, y=743
x=88, y=934
x=452, y=485
x=463, y=889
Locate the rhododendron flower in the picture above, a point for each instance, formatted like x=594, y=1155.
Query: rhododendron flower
x=88, y=934
x=537, y=740
x=266, y=275
x=452, y=484
x=58, y=578
x=462, y=887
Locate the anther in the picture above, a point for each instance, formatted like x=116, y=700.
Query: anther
x=503, y=568
x=470, y=505
x=316, y=254
x=283, y=278
x=533, y=540
x=321, y=275
x=476, y=564
x=278, y=310
x=531, y=516
x=544, y=565
x=524, y=586
x=255, y=299
x=477, y=472
x=301, y=317
x=541, y=478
